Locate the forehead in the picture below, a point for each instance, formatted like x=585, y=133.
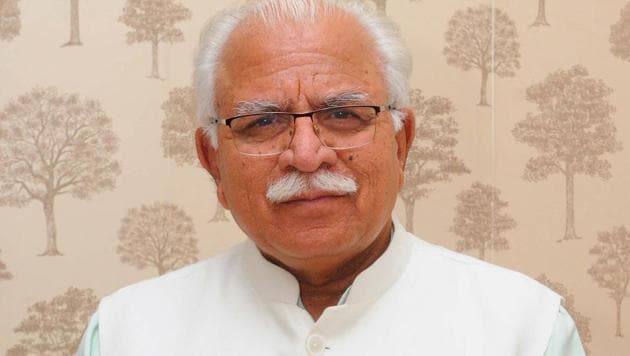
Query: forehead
x=290, y=59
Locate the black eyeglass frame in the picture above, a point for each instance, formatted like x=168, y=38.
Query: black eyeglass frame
x=378, y=109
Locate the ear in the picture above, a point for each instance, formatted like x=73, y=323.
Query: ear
x=209, y=159
x=404, y=138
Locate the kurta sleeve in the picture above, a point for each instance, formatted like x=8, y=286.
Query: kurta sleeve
x=90, y=343
x=565, y=340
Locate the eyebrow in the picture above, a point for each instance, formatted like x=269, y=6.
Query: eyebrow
x=248, y=107
x=255, y=107
x=345, y=98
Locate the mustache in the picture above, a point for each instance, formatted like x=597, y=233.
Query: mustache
x=295, y=183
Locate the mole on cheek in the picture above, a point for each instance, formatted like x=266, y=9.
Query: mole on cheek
x=350, y=158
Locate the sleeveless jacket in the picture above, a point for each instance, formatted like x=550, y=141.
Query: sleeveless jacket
x=416, y=299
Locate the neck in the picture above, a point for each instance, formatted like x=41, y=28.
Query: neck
x=323, y=283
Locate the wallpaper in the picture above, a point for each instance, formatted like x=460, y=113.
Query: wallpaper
x=521, y=158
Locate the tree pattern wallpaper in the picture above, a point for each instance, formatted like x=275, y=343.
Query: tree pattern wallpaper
x=522, y=154
x=483, y=38
x=480, y=220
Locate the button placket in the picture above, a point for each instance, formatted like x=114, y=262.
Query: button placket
x=315, y=344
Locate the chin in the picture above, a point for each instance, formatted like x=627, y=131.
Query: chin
x=315, y=243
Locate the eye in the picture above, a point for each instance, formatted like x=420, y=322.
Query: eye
x=261, y=126
x=343, y=114
x=263, y=120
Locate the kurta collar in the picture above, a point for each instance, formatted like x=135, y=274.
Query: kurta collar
x=275, y=284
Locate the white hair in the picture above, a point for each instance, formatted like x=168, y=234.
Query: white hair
x=291, y=185
x=393, y=55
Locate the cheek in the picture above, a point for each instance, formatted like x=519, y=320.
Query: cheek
x=247, y=183
x=389, y=173
x=243, y=181
x=379, y=176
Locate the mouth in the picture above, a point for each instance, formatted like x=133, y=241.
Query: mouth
x=314, y=196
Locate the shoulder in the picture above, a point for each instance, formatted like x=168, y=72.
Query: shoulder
x=182, y=286
x=130, y=318
x=500, y=293
x=490, y=299
x=487, y=276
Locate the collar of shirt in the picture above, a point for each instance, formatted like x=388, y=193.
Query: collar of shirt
x=274, y=284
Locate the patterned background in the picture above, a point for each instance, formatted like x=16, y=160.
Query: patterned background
x=99, y=187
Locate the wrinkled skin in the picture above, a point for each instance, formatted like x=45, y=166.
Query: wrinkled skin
x=323, y=242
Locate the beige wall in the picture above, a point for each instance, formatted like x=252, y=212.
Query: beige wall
x=117, y=75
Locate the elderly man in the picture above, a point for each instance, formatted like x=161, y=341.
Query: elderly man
x=306, y=135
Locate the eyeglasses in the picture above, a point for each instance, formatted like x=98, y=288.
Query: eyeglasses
x=270, y=133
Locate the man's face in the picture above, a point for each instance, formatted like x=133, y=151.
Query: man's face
x=298, y=66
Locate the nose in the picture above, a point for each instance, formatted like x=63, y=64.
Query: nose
x=306, y=153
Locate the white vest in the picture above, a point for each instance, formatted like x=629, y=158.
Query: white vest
x=416, y=299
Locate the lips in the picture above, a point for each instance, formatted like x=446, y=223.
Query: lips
x=314, y=195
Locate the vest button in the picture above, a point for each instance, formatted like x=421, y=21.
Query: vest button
x=315, y=344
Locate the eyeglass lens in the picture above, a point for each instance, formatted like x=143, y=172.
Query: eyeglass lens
x=337, y=128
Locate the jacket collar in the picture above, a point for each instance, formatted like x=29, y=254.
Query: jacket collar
x=275, y=284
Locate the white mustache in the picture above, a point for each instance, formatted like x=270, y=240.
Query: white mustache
x=295, y=183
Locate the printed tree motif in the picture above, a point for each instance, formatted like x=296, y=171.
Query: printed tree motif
x=9, y=19
x=581, y=322
x=432, y=157
x=55, y=327
x=53, y=144
x=154, y=21
x=178, y=131
x=159, y=235
x=381, y=5
x=179, y=125
x=18, y=350
x=75, y=37
x=541, y=18
x=571, y=130
x=620, y=35
x=480, y=220
x=611, y=270
x=472, y=44
x=4, y=273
